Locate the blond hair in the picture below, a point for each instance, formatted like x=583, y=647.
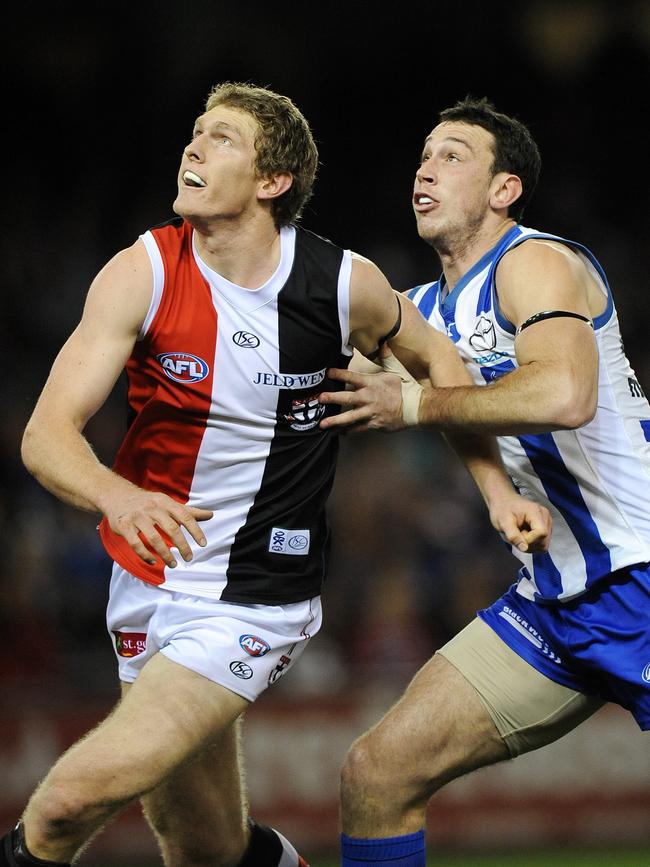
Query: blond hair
x=283, y=143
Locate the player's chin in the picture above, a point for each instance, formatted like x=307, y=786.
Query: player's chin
x=186, y=206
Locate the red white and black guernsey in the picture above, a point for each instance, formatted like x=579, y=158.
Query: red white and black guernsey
x=223, y=387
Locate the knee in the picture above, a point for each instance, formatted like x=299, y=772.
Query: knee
x=62, y=806
x=376, y=764
x=361, y=771
x=55, y=813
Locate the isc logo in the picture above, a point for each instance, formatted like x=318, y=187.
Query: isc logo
x=253, y=645
x=183, y=367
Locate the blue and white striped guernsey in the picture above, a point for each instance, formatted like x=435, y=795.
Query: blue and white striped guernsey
x=595, y=480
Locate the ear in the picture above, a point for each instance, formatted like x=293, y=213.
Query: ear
x=276, y=185
x=505, y=189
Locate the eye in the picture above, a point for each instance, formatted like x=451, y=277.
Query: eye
x=452, y=158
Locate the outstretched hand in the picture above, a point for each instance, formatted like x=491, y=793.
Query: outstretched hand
x=371, y=401
x=523, y=523
x=151, y=522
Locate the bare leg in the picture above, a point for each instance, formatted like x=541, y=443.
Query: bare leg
x=437, y=731
x=168, y=717
x=199, y=813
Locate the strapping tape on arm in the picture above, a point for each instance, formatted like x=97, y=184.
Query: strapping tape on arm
x=411, y=390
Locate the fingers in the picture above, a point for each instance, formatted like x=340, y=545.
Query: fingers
x=528, y=530
x=349, y=401
x=132, y=535
x=154, y=526
x=537, y=529
x=537, y=540
x=512, y=533
x=349, y=376
x=375, y=400
x=359, y=415
x=342, y=398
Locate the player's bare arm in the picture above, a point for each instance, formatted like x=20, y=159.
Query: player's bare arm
x=422, y=353
x=54, y=449
x=555, y=385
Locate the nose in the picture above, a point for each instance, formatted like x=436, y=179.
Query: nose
x=425, y=172
x=193, y=151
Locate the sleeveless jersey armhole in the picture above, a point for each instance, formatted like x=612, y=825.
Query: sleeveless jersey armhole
x=158, y=273
x=343, y=295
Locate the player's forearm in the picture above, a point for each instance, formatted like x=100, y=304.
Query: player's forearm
x=63, y=461
x=481, y=457
x=528, y=400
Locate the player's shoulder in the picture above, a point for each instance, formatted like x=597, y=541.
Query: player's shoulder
x=129, y=263
x=366, y=274
x=539, y=253
x=122, y=288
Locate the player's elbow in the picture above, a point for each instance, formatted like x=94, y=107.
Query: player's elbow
x=576, y=405
x=27, y=449
x=30, y=449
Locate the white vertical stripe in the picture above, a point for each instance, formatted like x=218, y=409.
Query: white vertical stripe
x=236, y=443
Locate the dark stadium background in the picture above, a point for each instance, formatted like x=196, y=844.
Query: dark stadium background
x=98, y=103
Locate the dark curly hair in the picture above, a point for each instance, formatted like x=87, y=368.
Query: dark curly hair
x=515, y=150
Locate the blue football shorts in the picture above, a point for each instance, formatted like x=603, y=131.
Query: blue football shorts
x=597, y=644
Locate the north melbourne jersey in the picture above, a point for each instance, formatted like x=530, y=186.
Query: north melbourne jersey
x=594, y=480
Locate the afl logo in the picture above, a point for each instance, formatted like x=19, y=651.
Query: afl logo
x=245, y=340
x=646, y=673
x=183, y=367
x=253, y=645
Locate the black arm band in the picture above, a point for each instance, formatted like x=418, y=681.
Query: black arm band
x=551, y=314
x=396, y=327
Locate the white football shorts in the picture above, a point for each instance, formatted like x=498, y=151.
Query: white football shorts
x=242, y=647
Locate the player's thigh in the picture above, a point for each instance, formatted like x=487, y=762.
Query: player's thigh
x=438, y=730
x=528, y=709
x=166, y=718
x=203, y=803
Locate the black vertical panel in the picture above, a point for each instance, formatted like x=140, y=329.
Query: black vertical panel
x=299, y=471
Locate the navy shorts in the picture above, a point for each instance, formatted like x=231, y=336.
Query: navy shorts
x=597, y=644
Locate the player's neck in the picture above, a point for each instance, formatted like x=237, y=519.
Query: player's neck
x=462, y=253
x=244, y=254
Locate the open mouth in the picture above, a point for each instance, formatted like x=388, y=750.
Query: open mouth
x=423, y=199
x=191, y=179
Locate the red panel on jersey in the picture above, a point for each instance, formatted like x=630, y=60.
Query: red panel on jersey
x=170, y=374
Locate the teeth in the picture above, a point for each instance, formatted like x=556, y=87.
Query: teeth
x=425, y=200
x=190, y=178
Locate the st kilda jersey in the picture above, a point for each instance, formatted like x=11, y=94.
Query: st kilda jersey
x=223, y=387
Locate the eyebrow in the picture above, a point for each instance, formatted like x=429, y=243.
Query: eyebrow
x=219, y=124
x=450, y=138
